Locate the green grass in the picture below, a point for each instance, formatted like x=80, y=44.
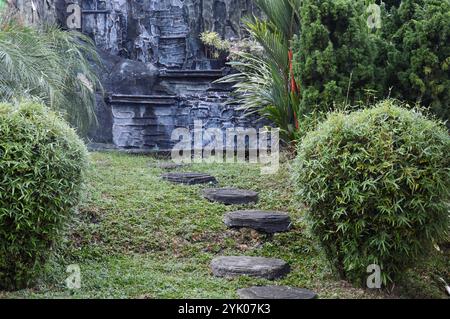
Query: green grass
x=136, y=236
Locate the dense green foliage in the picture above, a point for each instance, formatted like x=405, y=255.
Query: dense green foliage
x=376, y=183
x=50, y=64
x=420, y=33
x=41, y=171
x=335, y=54
x=340, y=61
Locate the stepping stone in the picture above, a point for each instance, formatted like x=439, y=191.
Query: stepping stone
x=230, y=196
x=234, y=266
x=264, y=221
x=276, y=292
x=169, y=165
x=189, y=178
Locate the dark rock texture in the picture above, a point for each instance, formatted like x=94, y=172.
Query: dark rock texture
x=234, y=266
x=163, y=32
x=265, y=221
x=189, y=178
x=36, y=11
x=154, y=57
x=230, y=196
x=276, y=292
x=156, y=75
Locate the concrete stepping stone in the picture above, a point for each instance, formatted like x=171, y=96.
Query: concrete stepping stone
x=189, y=178
x=276, y=292
x=264, y=221
x=235, y=266
x=230, y=196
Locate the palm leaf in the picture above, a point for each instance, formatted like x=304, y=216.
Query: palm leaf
x=51, y=65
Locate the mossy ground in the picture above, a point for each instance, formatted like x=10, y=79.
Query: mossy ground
x=136, y=236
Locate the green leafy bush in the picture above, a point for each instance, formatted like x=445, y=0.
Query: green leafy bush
x=376, y=183
x=41, y=170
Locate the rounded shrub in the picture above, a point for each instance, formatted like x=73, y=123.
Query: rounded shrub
x=376, y=184
x=41, y=171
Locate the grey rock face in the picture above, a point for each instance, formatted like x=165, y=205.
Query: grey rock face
x=163, y=32
x=265, y=221
x=145, y=105
x=36, y=11
x=160, y=54
x=234, y=266
x=230, y=196
x=149, y=121
x=153, y=55
x=189, y=178
x=276, y=292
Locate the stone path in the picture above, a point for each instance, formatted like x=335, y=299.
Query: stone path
x=189, y=178
x=276, y=292
x=230, y=196
x=234, y=266
x=264, y=221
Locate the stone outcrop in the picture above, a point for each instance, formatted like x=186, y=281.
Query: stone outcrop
x=163, y=32
x=156, y=75
x=159, y=78
x=35, y=11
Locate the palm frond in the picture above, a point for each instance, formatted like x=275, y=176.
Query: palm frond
x=282, y=15
x=274, y=43
x=52, y=65
x=259, y=87
x=263, y=83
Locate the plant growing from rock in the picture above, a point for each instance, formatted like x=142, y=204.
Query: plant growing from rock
x=215, y=46
x=246, y=45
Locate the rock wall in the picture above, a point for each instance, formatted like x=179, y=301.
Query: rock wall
x=35, y=11
x=156, y=75
x=164, y=32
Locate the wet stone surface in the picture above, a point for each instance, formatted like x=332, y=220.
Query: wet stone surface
x=235, y=266
x=264, y=221
x=231, y=196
